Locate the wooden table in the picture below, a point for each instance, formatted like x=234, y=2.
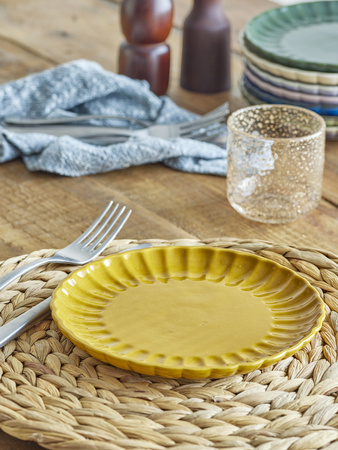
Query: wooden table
x=40, y=210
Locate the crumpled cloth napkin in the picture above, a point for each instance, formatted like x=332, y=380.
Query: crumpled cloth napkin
x=84, y=87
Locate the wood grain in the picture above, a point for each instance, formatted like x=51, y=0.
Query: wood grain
x=42, y=201
x=39, y=210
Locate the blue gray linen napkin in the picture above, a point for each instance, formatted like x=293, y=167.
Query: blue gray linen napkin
x=84, y=87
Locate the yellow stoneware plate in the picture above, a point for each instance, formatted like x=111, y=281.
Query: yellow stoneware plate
x=192, y=312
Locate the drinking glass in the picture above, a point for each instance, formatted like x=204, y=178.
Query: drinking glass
x=275, y=162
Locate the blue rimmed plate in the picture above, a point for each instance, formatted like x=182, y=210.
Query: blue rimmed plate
x=289, y=94
x=270, y=98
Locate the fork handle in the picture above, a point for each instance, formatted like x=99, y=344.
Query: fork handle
x=6, y=279
x=76, y=131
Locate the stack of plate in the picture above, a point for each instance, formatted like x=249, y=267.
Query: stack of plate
x=291, y=57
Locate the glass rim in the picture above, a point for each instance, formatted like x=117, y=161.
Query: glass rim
x=321, y=122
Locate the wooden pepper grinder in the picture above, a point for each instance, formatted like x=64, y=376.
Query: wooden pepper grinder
x=144, y=55
x=206, y=48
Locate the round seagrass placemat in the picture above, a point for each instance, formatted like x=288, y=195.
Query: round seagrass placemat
x=55, y=394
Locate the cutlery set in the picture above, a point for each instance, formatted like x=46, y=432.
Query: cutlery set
x=84, y=249
x=203, y=128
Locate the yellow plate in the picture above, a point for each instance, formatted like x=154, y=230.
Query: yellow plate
x=192, y=312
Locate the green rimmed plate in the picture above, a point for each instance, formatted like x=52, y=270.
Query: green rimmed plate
x=192, y=312
x=303, y=35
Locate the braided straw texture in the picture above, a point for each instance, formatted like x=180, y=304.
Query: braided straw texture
x=55, y=394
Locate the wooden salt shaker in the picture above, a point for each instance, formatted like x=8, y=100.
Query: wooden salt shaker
x=206, y=48
x=144, y=55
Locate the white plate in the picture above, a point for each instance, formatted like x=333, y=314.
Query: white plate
x=291, y=85
x=296, y=96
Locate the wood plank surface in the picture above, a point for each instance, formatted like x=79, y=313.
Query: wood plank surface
x=40, y=210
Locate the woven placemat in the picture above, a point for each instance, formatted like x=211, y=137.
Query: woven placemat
x=55, y=394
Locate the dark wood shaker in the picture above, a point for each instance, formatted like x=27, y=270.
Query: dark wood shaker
x=145, y=55
x=205, y=63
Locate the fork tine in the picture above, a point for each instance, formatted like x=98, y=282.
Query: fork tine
x=112, y=235
x=213, y=116
x=202, y=125
x=200, y=122
x=207, y=133
x=92, y=243
x=94, y=224
x=224, y=108
x=102, y=226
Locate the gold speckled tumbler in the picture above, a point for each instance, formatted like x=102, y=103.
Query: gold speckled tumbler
x=275, y=162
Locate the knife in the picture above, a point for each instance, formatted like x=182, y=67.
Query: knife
x=15, y=327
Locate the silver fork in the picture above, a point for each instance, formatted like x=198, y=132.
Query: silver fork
x=196, y=129
x=21, y=323
x=86, y=247
x=201, y=134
